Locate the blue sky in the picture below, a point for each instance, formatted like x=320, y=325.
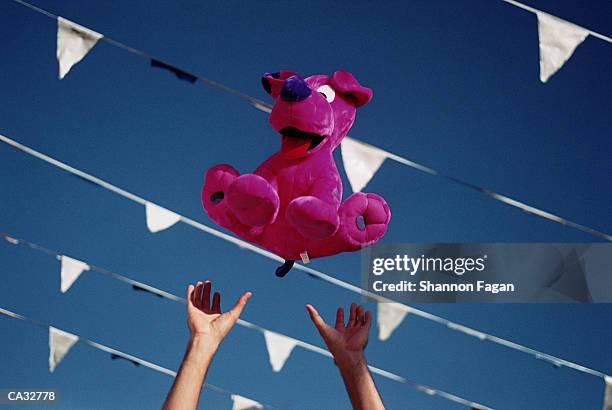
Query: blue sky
x=456, y=87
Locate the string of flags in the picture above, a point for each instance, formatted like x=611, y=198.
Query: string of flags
x=389, y=318
x=61, y=341
x=279, y=346
x=558, y=40
x=362, y=160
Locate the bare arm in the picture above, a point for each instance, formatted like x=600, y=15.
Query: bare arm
x=208, y=327
x=347, y=343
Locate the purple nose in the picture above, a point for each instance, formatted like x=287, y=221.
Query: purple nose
x=295, y=89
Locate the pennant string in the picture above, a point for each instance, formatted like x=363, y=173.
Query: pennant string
x=246, y=245
x=117, y=353
x=257, y=103
x=498, y=197
x=265, y=107
x=305, y=345
x=535, y=11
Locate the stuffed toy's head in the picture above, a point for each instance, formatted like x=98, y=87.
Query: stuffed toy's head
x=315, y=113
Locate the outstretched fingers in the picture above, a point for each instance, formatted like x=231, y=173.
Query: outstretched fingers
x=358, y=316
x=198, y=297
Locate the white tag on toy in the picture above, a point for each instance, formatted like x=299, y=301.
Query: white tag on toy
x=304, y=256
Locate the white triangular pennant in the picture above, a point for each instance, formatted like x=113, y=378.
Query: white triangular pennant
x=60, y=343
x=279, y=349
x=71, y=270
x=242, y=403
x=73, y=43
x=361, y=162
x=608, y=395
x=389, y=316
x=159, y=218
x=558, y=40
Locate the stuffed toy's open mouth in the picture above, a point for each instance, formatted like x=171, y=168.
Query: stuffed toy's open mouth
x=297, y=143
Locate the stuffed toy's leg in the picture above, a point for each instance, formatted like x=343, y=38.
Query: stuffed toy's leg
x=313, y=217
x=238, y=202
x=363, y=219
x=253, y=200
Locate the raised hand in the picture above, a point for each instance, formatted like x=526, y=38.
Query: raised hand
x=205, y=318
x=345, y=342
x=208, y=327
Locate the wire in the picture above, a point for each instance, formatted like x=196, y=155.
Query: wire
x=265, y=107
x=308, y=346
x=118, y=353
x=313, y=272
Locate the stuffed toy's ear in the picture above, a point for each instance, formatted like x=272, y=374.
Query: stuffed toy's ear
x=347, y=85
x=273, y=82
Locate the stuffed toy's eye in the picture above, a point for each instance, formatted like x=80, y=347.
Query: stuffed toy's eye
x=327, y=92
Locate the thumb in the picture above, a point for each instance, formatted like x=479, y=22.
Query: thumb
x=235, y=312
x=316, y=318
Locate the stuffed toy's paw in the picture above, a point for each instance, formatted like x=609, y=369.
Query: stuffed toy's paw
x=364, y=218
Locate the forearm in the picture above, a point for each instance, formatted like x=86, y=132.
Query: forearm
x=359, y=383
x=188, y=383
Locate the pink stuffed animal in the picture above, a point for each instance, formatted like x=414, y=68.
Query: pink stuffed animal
x=291, y=205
